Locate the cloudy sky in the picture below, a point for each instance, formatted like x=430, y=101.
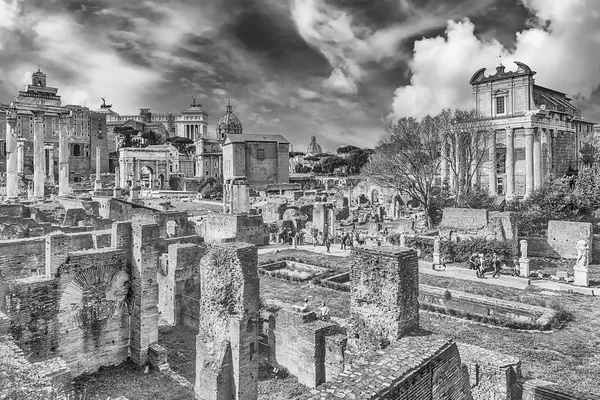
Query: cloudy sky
x=338, y=68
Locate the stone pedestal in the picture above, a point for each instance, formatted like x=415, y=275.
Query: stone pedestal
x=436, y=259
x=524, y=265
x=581, y=276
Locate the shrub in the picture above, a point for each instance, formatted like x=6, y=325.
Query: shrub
x=459, y=251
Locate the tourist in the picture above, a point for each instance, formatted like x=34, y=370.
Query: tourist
x=328, y=244
x=482, y=266
x=496, y=265
x=343, y=242
x=473, y=261
x=516, y=271
x=305, y=307
x=324, y=312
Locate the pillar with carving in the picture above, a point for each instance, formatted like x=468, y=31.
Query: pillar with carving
x=12, y=181
x=510, y=163
x=39, y=156
x=63, y=155
x=529, y=139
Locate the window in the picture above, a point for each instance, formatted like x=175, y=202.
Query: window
x=500, y=106
x=216, y=164
x=260, y=154
x=76, y=150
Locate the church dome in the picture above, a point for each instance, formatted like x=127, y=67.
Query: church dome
x=313, y=147
x=229, y=123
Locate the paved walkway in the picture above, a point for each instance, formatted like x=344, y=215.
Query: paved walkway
x=552, y=287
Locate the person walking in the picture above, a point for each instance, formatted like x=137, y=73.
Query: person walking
x=328, y=244
x=343, y=242
x=482, y=266
x=516, y=271
x=496, y=265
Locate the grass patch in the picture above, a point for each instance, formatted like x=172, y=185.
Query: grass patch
x=306, y=257
x=129, y=380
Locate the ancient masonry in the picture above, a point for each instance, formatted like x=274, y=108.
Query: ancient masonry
x=227, y=341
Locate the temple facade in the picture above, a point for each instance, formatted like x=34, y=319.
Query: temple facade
x=35, y=121
x=534, y=131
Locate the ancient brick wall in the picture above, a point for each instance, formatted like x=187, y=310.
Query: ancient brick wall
x=492, y=375
x=21, y=258
x=384, y=303
x=273, y=210
x=227, y=340
x=564, y=151
x=93, y=309
x=537, y=389
x=464, y=219
x=180, y=277
x=466, y=223
x=144, y=289
x=298, y=342
x=563, y=236
x=31, y=305
x=102, y=239
x=14, y=210
x=231, y=227
x=58, y=246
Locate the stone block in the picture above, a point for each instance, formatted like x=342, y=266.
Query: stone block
x=581, y=275
x=157, y=356
x=562, y=274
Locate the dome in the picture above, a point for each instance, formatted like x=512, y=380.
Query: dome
x=313, y=147
x=229, y=123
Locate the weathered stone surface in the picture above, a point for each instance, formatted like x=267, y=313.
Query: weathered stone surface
x=563, y=236
x=239, y=228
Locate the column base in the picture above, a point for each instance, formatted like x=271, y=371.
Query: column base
x=524, y=266
x=97, y=185
x=12, y=199
x=117, y=192
x=581, y=275
x=436, y=259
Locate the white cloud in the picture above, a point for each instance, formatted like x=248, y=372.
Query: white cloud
x=340, y=82
x=219, y=92
x=308, y=94
x=565, y=57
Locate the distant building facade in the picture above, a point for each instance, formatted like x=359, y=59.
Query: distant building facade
x=262, y=159
x=41, y=104
x=150, y=167
x=535, y=131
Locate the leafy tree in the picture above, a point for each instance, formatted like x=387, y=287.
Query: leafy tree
x=357, y=159
x=329, y=164
x=125, y=135
x=183, y=144
x=210, y=187
x=153, y=137
x=407, y=158
x=589, y=154
x=466, y=139
x=347, y=149
x=296, y=154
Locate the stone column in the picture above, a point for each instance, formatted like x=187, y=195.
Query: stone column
x=493, y=179
x=537, y=159
x=98, y=183
x=529, y=133
x=12, y=181
x=444, y=165
x=544, y=152
x=39, y=159
x=117, y=188
x=21, y=155
x=50, y=171
x=63, y=156
x=510, y=163
x=524, y=260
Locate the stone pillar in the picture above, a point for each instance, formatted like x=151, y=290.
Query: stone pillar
x=444, y=165
x=50, y=171
x=529, y=138
x=21, y=155
x=524, y=260
x=144, y=266
x=97, y=182
x=39, y=159
x=545, y=153
x=510, y=163
x=12, y=181
x=493, y=179
x=63, y=156
x=537, y=159
x=117, y=188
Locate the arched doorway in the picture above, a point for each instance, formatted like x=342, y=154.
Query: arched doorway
x=161, y=181
x=374, y=196
x=147, y=177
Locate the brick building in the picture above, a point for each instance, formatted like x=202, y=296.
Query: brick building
x=39, y=105
x=537, y=131
x=262, y=159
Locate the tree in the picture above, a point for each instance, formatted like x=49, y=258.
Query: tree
x=183, y=145
x=466, y=140
x=331, y=163
x=153, y=137
x=357, y=159
x=589, y=154
x=347, y=149
x=125, y=134
x=407, y=158
x=296, y=154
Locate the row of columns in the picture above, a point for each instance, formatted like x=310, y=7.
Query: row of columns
x=193, y=131
x=535, y=171
x=15, y=149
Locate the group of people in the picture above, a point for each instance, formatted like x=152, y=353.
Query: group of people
x=287, y=236
x=323, y=310
x=480, y=263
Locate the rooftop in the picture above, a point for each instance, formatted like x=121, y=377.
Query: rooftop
x=246, y=137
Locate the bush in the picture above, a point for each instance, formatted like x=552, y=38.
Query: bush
x=458, y=251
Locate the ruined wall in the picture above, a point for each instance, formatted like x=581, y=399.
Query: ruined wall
x=384, y=304
x=231, y=227
x=537, y=389
x=93, y=310
x=21, y=258
x=298, y=342
x=492, y=375
x=227, y=340
x=58, y=246
x=179, y=276
x=563, y=237
x=465, y=223
x=273, y=210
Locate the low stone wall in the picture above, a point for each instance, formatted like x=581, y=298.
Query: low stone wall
x=563, y=236
x=440, y=299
